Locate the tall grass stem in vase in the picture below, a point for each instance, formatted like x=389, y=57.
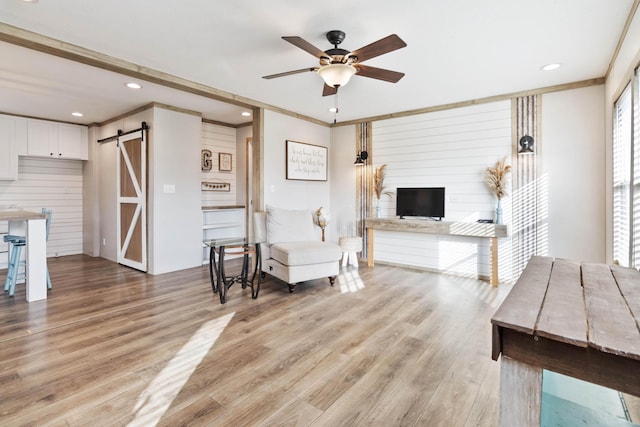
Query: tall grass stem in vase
x=496, y=177
x=378, y=186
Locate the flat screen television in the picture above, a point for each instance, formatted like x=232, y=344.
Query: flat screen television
x=422, y=202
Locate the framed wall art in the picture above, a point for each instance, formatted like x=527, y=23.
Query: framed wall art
x=224, y=162
x=306, y=162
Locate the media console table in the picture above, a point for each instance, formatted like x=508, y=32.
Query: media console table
x=450, y=228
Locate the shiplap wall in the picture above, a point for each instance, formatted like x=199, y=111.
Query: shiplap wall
x=219, y=139
x=55, y=184
x=450, y=149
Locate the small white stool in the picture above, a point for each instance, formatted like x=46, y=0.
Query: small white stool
x=349, y=246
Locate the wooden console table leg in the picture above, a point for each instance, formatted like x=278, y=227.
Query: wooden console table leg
x=520, y=394
x=370, y=232
x=493, y=247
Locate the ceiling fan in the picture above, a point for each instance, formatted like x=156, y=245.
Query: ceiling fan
x=338, y=65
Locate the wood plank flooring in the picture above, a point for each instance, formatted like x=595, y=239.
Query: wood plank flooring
x=385, y=346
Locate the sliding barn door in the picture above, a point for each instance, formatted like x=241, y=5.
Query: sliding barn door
x=132, y=201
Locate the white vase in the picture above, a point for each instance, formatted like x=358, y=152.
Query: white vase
x=378, y=209
x=499, y=212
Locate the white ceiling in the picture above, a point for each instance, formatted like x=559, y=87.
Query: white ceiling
x=456, y=50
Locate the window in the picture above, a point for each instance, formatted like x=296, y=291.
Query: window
x=635, y=192
x=622, y=178
x=626, y=176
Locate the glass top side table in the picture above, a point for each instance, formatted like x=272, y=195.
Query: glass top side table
x=233, y=246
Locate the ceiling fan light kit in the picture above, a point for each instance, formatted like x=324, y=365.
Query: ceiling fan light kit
x=338, y=65
x=336, y=75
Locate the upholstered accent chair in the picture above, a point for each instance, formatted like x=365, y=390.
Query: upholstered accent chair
x=289, y=248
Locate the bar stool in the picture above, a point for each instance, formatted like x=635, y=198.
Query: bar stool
x=350, y=246
x=15, y=263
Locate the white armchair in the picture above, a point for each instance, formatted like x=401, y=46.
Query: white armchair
x=289, y=249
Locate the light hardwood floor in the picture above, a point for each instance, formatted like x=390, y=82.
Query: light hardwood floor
x=385, y=346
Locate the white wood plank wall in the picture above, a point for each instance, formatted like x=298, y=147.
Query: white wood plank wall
x=450, y=149
x=219, y=139
x=48, y=183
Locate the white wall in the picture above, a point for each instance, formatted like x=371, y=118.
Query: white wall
x=104, y=164
x=241, y=165
x=342, y=177
x=291, y=194
x=573, y=166
x=627, y=60
x=175, y=219
x=450, y=149
x=425, y=150
x=220, y=139
x=90, y=196
x=48, y=183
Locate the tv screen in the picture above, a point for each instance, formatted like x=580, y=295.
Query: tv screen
x=423, y=202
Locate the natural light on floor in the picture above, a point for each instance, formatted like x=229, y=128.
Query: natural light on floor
x=459, y=257
x=157, y=397
x=350, y=281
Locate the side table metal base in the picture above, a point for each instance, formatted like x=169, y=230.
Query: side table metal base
x=221, y=283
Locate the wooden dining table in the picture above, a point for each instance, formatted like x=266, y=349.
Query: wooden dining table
x=575, y=318
x=32, y=225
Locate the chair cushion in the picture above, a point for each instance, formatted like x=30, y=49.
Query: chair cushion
x=350, y=244
x=285, y=225
x=305, y=253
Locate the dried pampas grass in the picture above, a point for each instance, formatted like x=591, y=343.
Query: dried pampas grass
x=378, y=180
x=496, y=177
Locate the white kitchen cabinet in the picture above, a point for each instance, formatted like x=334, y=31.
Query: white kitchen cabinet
x=57, y=140
x=8, y=148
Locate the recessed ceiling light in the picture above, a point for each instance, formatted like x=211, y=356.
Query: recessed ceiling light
x=246, y=113
x=333, y=110
x=77, y=114
x=30, y=1
x=550, y=67
x=133, y=85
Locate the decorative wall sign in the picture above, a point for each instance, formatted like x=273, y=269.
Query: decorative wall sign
x=224, y=162
x=207, y=164
x=306, y=162
x=215, y=185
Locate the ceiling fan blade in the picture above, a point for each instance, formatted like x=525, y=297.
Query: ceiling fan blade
x=385, y=45
x=288, y=73
x=329, y=90
x=305, y=45
x=378, y=73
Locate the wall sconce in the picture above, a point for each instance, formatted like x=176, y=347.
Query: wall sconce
x=526, y=145
x=361, y=157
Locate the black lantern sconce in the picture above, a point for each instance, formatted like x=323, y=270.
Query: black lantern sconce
x=526, y=145
x=361, y=157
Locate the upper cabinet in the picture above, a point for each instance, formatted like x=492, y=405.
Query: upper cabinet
x=20, y=136
x=73, y=141
x=56, y=140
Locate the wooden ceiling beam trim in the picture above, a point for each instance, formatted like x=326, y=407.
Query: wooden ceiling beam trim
x=495, y=98
x=48, y=45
